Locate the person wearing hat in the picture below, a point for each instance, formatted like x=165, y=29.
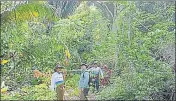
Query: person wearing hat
x=57, y=82
x=96, y=72
x=83, y=82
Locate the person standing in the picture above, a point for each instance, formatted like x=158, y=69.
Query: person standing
x=108, y=73
x=57, y=82
x=96, y=72
x=83, y=82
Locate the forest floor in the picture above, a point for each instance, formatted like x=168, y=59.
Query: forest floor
x=67, y=96
x=91, y=95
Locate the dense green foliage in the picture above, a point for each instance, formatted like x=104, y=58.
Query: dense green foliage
x=32, y=35
x=37, y=92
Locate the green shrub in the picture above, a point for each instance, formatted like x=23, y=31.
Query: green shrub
x=37, y=92
x=140, y=86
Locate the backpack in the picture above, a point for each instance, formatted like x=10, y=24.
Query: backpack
x=89, y=78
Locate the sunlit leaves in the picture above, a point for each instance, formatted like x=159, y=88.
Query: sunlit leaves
x=3, y=61
x=27, y=12
x=67, y=53
x=35, y=14
x=3, y=90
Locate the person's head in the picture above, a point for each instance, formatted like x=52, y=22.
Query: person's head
x=58, y=68
x=95, y=64
x=83, y=66
x=105, y=67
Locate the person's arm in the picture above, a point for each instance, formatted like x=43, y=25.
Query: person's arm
x=86, y=79
x=90, y=69
x=52, y=82
x=80, y=82
x=110, y=72
x=101, y=72
x=64, y=74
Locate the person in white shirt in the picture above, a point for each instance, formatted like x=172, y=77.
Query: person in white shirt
x=84, y=82
x=57, y=82
x=96, y=72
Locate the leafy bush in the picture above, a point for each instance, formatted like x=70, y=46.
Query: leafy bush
x=72, y=83
x=37, y=92
x=132, y=85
